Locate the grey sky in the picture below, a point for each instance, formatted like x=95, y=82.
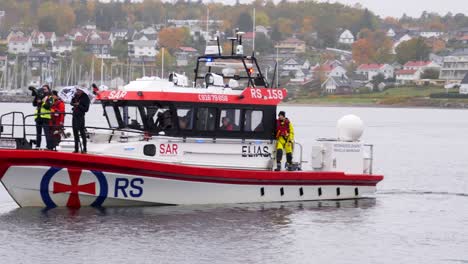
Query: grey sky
x=413, y=8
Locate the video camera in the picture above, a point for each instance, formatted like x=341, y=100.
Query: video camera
x=39, y=93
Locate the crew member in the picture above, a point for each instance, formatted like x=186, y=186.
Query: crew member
x=43, y=103
x=80, y=103
x=58, y=118
x=285, y=140
x=227, y=125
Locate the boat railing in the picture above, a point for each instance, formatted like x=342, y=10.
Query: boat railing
x=18, y=125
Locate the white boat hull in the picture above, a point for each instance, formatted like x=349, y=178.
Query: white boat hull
x=79, y=184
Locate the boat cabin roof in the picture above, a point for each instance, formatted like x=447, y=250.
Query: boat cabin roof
x=248, y=96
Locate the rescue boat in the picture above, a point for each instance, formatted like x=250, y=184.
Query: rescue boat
x=165, y=144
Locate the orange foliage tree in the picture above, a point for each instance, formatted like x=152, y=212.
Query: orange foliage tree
x=172, y=38
x=373, y=47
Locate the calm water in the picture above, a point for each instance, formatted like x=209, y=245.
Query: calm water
x=419, y=215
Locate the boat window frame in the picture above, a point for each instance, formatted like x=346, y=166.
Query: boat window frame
x=268, y=119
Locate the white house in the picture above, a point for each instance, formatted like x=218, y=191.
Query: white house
x=142, y=48
x=19, y=45
x=430, y=34
x=261, y=29
x=337, y=85
x=346, y=37
x=42, y=38
x=391, y=33
x=416, y=65
x=326, y=70
x=371, y=70
x=405, y=76
x=62, y=46
x=291, y=65
x=455, y=66
x=464, y=85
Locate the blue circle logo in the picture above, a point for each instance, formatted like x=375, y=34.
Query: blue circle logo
x=74, y=188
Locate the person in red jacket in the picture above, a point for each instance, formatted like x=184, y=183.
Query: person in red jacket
x=58, y=119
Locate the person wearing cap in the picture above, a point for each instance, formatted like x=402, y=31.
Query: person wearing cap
x=284, y=140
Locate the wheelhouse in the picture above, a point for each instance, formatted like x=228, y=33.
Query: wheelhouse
x=188, y=119
x=229, y=98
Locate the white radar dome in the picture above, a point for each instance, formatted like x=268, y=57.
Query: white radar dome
x=350, y=128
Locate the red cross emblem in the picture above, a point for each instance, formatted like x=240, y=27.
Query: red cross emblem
x=74, y=188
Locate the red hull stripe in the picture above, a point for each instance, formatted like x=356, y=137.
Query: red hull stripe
x=178, y=172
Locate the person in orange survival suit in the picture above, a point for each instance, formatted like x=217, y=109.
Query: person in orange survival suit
x=284, y=140
x=58, y=118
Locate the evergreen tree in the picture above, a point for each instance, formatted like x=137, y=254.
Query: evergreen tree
x=245, y=22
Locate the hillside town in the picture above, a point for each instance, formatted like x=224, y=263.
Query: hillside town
x=377, y=54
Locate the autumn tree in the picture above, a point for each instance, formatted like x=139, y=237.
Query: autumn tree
x=372, y=47
x=261, y=18
x=412, y=50
x=172, y=37
x=362, y=52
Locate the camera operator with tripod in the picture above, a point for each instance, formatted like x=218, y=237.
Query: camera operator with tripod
x=43, y=102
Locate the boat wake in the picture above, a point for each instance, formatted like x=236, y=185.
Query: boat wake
x=420, y=192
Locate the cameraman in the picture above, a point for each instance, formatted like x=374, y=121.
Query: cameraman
x=43, y=102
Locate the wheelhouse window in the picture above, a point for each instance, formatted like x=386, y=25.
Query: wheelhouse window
x=131, y=117
x=253, y=121
x=111, y=116
x=162, y=118
x=185, y=118
x=229, y=120
x=206, y=119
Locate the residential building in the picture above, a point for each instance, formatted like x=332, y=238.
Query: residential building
x=100, y=47
x=326, y=71
x=291, y=45
x=142, y=48
x=62, y=46
x=346, y=37
x=431, y=34
x=43, y=38
x=371, y=70
x=464, y=85
x=39, y=59
x=184, y=55
x=391, y=33
x=406, y=76
x=420, y=65
x=262, y=29
x=19, y=45
x=337, y=85
x=120, y=33
x=455, y=66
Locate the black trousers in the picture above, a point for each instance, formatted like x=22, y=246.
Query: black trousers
x=43, y=123
x=78, y=124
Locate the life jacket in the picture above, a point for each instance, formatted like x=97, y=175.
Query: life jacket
x=282, y=128
x=43, y=113
x=58, y=107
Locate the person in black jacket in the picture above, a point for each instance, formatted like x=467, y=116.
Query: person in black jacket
x=80, y=103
